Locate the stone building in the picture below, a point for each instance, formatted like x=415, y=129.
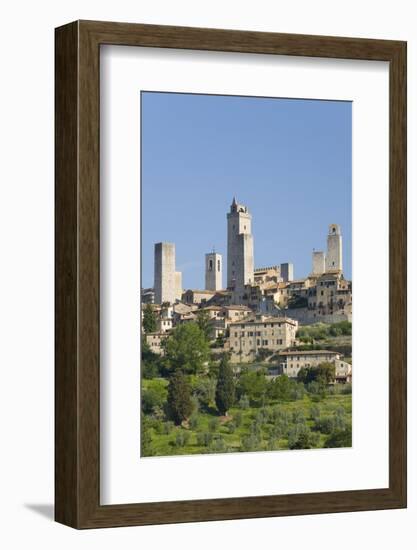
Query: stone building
x=178, y=285
x=240, y=263
x=263, y=275
x=331, y=294
x=167, y=281
x=147, y=296
x=197, y=296
x=287, y=272
x=154, y=340
x=248, y=336
x=334, y=249
x=292, y=362
x=213, y=274
x=319, y=262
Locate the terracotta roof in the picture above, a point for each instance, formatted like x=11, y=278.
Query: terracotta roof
x=310, y=352
x=238, y=307
x=265, y=320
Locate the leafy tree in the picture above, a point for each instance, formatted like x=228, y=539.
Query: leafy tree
x=203, y=322
x=253, y=384
x=302, y=375
x=280, y=388
x=341, y=438
x=244, y=402
x=213, y=424
x=315, y=413
x=151, y=399
x=179, y=401
x=149, y=319
x=323, y=374
x=326, y=373
x=150, y=361
x=146, y=437
x=182, y=438
x=205, y=391
x=263, y=353
x=301, y=437
x=186, y=349
x=225, y=389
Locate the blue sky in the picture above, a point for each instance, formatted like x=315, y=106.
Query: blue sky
x=288, y=160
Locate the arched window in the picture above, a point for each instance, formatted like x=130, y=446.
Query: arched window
x=218, y=265
x=210, y=265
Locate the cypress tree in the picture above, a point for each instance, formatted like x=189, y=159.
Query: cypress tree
x=225, y=389
x=149, y=319
x=179, y=401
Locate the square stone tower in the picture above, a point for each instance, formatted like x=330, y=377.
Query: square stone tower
x=334, y=249
x=319, y=262
x=165, y=280
x=214, y=269
x=178, y=285
x=240, y=264
x=287, y=272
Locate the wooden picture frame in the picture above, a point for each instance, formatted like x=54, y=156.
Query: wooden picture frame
x=77, y=382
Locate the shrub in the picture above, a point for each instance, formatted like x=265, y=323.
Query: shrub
x=298, y=417
x=340, y=438
x=151, y=399
x=204, y=390
x=238, y=418
x=182, y=438
x=218, y=445
x=167, y=427
x=300, y=437
x=272, y=444
x=194, y=422
x=315, y=413
x=231, y=428
x=244, y=402
x=213, y=424
x=204, y=439
x=250, y=443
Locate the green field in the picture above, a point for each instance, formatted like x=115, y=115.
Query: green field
x=247, y=429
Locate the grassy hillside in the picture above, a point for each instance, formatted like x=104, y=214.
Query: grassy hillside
x=252, y=428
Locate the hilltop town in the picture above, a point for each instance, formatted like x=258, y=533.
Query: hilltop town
x=262, y=312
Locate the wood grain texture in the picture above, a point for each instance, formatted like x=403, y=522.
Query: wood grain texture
x=78, y=285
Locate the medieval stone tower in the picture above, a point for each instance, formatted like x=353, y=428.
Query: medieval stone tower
x=240, y=263
x=334, y=249
x=214, y=269
x=167, y=281
x=319, y=262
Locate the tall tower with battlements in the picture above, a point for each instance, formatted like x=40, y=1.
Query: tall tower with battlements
x=166, y=281
x=214, y=268
x=240, y=264
x=334, y=249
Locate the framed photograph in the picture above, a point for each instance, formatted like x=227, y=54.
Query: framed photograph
x=230, y=274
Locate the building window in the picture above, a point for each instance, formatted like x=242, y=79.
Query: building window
x=210, y=265
x=218, y=265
